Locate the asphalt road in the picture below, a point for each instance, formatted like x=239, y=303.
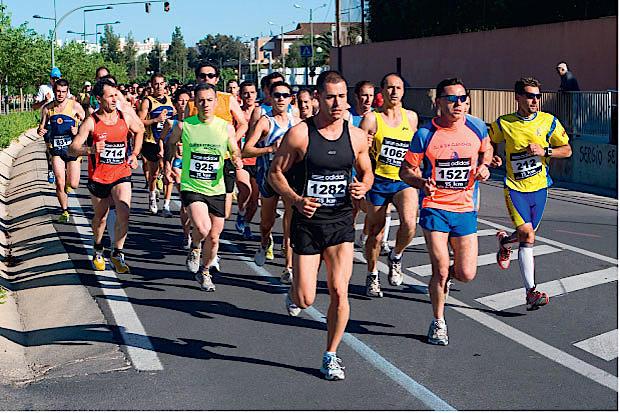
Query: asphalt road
x=238, y=349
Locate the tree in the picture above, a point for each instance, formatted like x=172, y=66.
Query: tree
x=111, y=45
x=294, y=59
x=176, y=57
x=155, y=57
x=220, y=48
x=130, y=54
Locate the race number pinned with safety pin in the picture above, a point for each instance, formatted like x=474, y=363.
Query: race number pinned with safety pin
x=204, y=166
x=330, y=190
x=452, y=173
x=525, y=165
x=60, y=142
x=113, y=153
x=393, y=152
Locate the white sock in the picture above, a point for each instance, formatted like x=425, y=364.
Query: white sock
x=440, y=320
x=374, y=273
x=166, y=204
x=386, y=231
x=394, y=256
x=526, y=264
x=153, y=195
x=110, y=223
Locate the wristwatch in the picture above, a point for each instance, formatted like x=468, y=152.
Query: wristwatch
x=548, y=151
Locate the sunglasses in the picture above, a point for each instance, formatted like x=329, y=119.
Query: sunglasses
x=278, y=95
x=455, y=98
x=532, y=95
x=207, y=75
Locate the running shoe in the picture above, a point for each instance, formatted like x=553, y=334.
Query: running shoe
x=160, y=182
x=205, y=280
x=153, y=205
x=51, y=178
x=260, y=256
x=247, y=233
x=166, y=212
x=503, y=254
x=373, y=286
x=535, y=299
x=361, y=241
x=332, y=368
x=68, y=189
x=240, y=224
x=187, y=243
x=215, y=263
x=395, y=274
x=447, y=287
x=385, y=248
x=64, y=217
x=118, y=260
x=98, y=261
x=291, y=307
x=438, y=333
x=287, y=276
x=193, y=260
x=269, y=252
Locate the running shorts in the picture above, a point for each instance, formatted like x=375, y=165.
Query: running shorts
x=309, y=238
x=103, y=190
x=525, y=207
x=383, y=190
x=456, y=224
x=215, y=203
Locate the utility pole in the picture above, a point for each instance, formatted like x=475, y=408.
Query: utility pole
x=363, y=22
x=338, y=36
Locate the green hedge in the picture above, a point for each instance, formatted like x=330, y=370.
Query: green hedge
x=14, y=124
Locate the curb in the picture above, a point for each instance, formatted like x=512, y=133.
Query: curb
x=48, y=310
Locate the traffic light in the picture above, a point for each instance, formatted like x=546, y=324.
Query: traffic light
x=147, y=7
x=166, y=6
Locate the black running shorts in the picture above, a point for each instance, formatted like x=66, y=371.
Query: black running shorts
x=215, y=203
x=313, y=238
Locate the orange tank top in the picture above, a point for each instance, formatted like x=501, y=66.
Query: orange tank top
x=111, y=164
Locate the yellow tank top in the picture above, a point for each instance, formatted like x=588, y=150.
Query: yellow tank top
x=390, y=146
x=153, y=132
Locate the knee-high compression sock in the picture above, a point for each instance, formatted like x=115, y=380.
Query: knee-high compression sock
x=526, y=264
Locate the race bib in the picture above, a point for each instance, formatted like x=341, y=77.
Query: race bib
x=393, y=152
x=452, y=173
x=113, y=153
x=61, y=142
x=330, y=190
x=204, y=166
x=525, y=165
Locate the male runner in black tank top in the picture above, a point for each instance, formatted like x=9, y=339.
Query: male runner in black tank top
x=321, y=153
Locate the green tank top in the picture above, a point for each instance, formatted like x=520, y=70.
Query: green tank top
x=204, y=147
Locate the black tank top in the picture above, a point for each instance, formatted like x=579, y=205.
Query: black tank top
x=325, y=174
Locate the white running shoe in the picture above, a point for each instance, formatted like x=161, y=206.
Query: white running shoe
x=287, y=276
x=395, y=273
x=205, y=280
x=373, y=286
x=438, y=333
x=385, y=248
x=215, y=264
x=332, y=368
x=193, y=260
x=361, y=241
x=153, y=206
x=291, y=307
x=187, y=243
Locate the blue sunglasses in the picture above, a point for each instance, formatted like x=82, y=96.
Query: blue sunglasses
x=455, y=98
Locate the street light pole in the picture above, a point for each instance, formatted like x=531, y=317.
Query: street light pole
x=84, y=19
x=297, y=6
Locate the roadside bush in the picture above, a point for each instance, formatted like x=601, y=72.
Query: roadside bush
x=14, y=124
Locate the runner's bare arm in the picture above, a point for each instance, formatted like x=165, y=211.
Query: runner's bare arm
x=42, y=130
x=77, y=147
x=138, y=132
x=240, y=122
x=175, y=137
x=249, y=149
x=365, y=178
x=413, y=120
x=411, y=175
x=79, y=110
x=291, y=150
x=369, y=125
x=233, y=148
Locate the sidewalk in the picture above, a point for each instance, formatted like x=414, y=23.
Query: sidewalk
x=50, y=325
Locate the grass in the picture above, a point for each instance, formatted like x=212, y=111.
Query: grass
x=14, y=124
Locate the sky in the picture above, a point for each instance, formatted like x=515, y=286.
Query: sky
x=197, y=18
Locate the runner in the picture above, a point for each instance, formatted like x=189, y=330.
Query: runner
x=180, y=103
x=391, y=128
x=232, y=87
x=109, y=168
x=532, y=138
x=247, y=200
x=304, y=102
x=59, y=124
x=446, y=158
x=262, y=144
x=323, y=151
x=154, y=111
x=228, y=109
x=206, y=139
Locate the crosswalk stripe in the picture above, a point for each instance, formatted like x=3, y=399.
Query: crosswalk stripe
x=513, y=298
x=554, y=354
x=393, y=223
x=604, y=346
x=486, y=259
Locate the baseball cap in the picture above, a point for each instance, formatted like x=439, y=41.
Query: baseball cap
x=55, y=72
x=87, y=83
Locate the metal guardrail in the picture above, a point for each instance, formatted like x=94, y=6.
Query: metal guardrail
x=14, y=104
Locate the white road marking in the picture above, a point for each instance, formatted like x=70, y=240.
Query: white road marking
x=556, y=355
x=414, y=388
x=486, y=259
x=513, y=298
x=393, y=223
x=140, y=350
x=604, y=346
x=420, y=240
x=556, y=243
